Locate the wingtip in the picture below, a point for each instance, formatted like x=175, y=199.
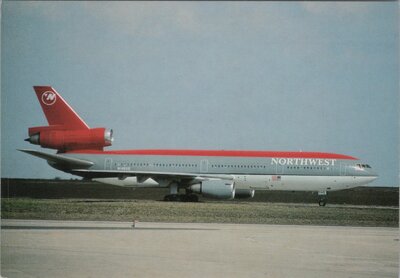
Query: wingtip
x=26, y=150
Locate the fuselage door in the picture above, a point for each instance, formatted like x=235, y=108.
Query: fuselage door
x=108, y=164
x=279, y=169
x=204, y=166
x=342, y=169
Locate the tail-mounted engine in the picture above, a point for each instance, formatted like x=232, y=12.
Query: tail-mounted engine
x=58, y=138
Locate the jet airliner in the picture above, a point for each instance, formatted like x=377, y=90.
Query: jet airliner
x=222, y=174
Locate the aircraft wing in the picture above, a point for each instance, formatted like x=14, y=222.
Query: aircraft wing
x=80, y=167
x=147, y=174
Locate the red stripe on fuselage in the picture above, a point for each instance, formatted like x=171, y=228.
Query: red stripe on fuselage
x=220, y=153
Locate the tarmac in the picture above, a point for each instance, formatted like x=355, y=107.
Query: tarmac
x=41, y=248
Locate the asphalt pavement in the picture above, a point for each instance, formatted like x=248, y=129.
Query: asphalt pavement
x=39, y=248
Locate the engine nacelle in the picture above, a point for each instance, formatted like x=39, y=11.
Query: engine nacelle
x=244, y=193
x=66, y=140
x=219, y=189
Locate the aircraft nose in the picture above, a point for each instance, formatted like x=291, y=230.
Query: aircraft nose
x=371, y=173
x=372, y=176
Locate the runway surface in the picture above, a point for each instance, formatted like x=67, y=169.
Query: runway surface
x=114, y=249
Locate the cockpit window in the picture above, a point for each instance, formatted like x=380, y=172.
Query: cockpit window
x=363, y=166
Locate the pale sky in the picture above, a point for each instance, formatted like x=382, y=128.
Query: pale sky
x=311, y=76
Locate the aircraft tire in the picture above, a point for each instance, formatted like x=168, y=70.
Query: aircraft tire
x=181, y=198
x=192, y=198
x=172, y=198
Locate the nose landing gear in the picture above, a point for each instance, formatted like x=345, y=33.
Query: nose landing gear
x=322, y=199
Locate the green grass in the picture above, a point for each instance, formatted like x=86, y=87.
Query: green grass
x=204, y=212
x=82, y=189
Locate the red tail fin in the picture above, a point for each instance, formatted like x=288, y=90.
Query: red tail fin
x=57, y=110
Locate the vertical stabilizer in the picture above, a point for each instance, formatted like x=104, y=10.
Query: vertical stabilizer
x=57, y=110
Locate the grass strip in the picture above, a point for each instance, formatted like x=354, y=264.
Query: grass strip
x=202, y=212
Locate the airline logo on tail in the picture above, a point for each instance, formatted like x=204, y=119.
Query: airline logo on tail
x=57, y=111
x=49, y=98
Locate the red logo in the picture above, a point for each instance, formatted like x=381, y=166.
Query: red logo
x=49, y=98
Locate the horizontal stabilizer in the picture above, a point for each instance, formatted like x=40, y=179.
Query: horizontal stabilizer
x=60, y=159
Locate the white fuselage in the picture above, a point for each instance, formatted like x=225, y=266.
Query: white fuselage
x=325, y=173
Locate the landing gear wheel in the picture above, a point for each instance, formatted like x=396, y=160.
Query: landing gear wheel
x=322, y=198
x=192, y=198
x=181, y=198
x=172, y=198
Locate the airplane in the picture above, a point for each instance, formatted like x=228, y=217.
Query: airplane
x=220, y=174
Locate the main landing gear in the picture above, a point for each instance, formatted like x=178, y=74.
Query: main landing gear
x=181, y=198
x=175, y=197
x=322, y=199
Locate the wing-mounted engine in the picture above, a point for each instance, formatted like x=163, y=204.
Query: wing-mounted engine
x=244, y=193
x=57, y=137
x=219, y=189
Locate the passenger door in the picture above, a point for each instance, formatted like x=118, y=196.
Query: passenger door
x=343, y=169
x=108, y=164
x=204, y=166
